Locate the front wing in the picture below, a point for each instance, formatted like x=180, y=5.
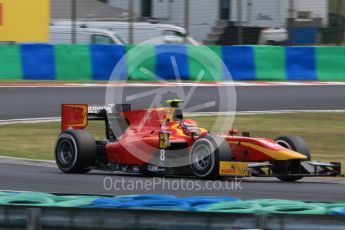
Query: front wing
x=307, y=169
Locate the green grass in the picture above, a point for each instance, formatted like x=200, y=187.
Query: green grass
x=324, y=132
x=36, y=141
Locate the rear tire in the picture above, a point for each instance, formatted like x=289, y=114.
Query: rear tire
x=206, y=154
x=75, y=151
x=296, y=144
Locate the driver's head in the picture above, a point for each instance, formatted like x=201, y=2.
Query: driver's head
x=189, y=122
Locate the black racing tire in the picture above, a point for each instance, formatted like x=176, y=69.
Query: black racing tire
x=205, y=155
x=75, y=151
x=294, y=143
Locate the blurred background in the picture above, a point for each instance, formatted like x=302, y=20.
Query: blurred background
x=220, y=22
x=194, y=22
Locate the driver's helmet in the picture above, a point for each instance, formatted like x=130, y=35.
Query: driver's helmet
x=189, y=123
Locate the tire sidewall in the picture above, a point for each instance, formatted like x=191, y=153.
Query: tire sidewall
x=63, y=137
x=295, y=143
x=285, y=143
x=84, y=148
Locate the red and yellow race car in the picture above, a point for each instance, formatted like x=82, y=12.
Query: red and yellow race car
x=160, y=141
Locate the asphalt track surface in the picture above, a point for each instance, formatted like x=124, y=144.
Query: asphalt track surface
x=50, y=179
x=45, y=102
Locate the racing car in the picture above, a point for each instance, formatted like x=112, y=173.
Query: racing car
x=161, y=141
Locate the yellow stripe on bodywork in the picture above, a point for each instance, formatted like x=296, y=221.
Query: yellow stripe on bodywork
x=231, y=168
x=279, y=155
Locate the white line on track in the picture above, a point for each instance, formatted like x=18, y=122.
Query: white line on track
x=29, y=120
x=169, y=84
x=260, y=112
x=27, y=162
x=52, y=119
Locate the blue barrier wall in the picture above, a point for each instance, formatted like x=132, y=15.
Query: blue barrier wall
x=96, y=62
x=240, y=62
x=300, y=63
x=38, y=62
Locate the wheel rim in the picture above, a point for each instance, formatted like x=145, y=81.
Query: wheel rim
x=65, y=152
x=202, y=157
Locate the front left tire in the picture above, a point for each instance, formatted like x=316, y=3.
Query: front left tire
x=206, y=154
x=75, y=151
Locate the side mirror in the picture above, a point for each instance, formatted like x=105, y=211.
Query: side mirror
x=233, y=131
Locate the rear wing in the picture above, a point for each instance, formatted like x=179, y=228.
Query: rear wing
x=76, y=116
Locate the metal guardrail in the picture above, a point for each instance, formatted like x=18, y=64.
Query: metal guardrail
x=51, y=218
